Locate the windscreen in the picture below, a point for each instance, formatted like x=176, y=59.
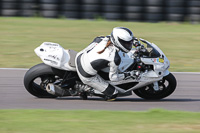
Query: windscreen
x=153, y=53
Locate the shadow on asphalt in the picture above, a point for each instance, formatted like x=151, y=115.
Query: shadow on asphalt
x=131, y=99
x=163, y=100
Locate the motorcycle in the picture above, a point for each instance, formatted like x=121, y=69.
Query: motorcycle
x=57, y=76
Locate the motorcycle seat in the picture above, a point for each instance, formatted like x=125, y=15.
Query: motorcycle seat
x=72, y=54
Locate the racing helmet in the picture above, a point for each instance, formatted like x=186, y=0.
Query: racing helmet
x=122, y=38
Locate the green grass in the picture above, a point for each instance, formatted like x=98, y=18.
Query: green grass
x=20, y=36
x=50, y=121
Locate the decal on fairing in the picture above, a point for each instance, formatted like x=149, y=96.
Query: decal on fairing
x=51, y=44
x=51, y=61
x=55, y=57
x=158, y=60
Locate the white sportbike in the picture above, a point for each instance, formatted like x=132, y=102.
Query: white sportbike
x=57, y=76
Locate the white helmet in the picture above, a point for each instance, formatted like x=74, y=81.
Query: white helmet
x=122, y=38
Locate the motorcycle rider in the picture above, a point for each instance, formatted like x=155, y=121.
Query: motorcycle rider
x=102, y=53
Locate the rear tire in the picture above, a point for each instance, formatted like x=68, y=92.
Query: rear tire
x=167, y=86
x=40, y=71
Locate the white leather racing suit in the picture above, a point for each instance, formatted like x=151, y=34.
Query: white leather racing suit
x=89, y=62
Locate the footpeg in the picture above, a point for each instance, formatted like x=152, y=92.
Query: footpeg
x=56, y=90
x=82, y=87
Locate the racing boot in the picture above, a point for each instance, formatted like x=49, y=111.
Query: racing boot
x=111, y=98
x=110, y=93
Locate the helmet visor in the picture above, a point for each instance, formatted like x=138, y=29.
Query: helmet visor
x=126, y=44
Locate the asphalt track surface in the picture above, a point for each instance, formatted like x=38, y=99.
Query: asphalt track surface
x=14, y=96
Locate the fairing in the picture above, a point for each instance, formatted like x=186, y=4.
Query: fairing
x=54, y=55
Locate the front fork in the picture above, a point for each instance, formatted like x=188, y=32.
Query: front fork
x=156, y=86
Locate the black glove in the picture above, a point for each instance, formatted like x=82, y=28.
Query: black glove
x=136, y=42
x=141, y=48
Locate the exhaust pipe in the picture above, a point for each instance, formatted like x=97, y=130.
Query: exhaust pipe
x=56, y=90
x=51, y=89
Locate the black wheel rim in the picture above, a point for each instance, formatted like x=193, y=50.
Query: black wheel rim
x=148, y=92
x=38, y=85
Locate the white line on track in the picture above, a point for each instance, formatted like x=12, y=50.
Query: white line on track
x=194, y=73
x=14, y=69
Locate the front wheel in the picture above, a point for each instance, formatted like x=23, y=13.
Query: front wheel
x=167, y=86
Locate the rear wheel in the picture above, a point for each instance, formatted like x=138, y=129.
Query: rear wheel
x=36, y=79
x=167, y=86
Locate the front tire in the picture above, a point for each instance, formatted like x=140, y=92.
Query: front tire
x=167, y=86
x=35, y=76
